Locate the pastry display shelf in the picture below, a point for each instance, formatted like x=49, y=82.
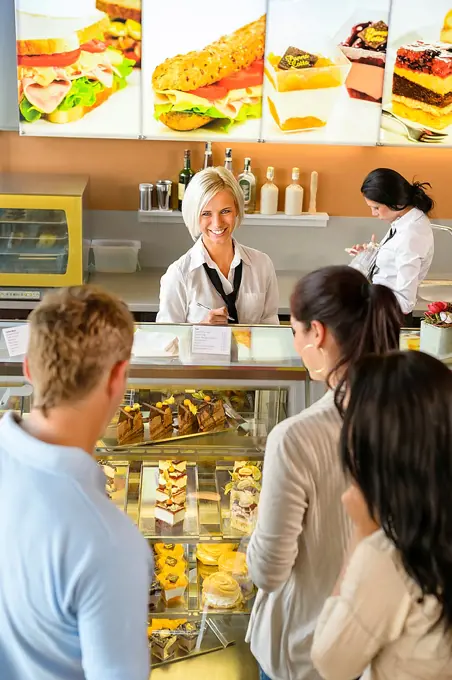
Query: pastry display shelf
x=214, y=636
x=252, y=220
x=207, y=517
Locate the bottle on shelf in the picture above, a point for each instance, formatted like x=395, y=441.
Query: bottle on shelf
x=247, y=182
x=269, y=194
x=228, y=159
x=208, y=156
x=185, y=176
x=293, y=204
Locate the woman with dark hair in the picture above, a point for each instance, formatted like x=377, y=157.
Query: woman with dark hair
x=406, y=252
x=391, y=613
x=296, y=551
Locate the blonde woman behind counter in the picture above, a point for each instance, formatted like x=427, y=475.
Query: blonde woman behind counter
x=235, y=282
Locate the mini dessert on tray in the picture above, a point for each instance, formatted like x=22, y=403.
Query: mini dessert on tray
x=234, y=563
x=166, y=563
x=173, y=584
x=422, y=84
x=160, y=420
x=171, y=492
x=130, y=428
x=172, y=549
x=245, y=489
x=155, y=595
x=187, y=636
x=209, y=553
x=211, y=414
x=221, y=591
x=366, y=49
x=302, y=88
x=187, y=417
x=163, y=644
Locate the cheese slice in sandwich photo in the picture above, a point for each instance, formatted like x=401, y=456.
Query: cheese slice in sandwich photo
x=124, y=30
x=222, y=82
x=65, y=68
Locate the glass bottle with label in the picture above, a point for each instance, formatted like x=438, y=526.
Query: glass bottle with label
x=228, y=160
x=293, y=204
x=208, y=156
x=185, y=176
x=269, y=194
x=247, y=182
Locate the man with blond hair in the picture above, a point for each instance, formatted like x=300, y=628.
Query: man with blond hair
x=74, y=570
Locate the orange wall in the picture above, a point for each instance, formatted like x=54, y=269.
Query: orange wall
x=116, y=167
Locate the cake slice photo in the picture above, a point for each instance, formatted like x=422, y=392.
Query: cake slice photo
x=302, y=88
x=422, y=84
x=365, y=47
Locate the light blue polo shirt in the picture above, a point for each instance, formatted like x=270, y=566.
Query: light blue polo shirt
x=74, y=570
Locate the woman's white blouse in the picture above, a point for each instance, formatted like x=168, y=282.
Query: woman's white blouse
x=404, y=260
x=186, y=283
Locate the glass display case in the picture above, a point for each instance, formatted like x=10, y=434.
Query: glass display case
x=183, y=458
x=42, y=238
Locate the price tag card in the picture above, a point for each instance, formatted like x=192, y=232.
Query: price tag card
x=211, y=340
x=16, y=339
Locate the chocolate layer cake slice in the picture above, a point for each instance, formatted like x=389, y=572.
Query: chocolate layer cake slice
x=211, y=415
x=187, y=417
x=160, y=420
x=422, y=84
x=163, y=644
x=130, y=427
x=366, y=49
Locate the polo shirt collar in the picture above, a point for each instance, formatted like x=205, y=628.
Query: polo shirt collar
x=61, y=460
x=199, y=256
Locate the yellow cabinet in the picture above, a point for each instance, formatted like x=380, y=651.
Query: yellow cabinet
x=43, y=243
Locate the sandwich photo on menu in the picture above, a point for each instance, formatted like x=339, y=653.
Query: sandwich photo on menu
x=124, y=30
x=221, y=83
x=65, y=67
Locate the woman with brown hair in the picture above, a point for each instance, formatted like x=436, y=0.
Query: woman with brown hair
x=297, y=549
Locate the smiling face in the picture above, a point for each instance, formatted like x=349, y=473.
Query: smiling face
x=382, y=211
x=217, y=219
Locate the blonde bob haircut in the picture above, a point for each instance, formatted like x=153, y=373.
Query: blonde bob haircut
x=202, y=188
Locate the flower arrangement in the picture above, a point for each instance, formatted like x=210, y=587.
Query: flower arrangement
x=439, y=314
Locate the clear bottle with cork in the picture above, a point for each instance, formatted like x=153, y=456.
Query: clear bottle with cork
x=247, y=182
x=185, y=176
x=269, y=194
x=228, y=159
x=208, y=156
x=293, y=203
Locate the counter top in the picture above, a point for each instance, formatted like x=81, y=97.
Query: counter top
x=141, y=290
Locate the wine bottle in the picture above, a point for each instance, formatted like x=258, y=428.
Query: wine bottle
x=185, y=176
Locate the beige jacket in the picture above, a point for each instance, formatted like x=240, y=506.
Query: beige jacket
x=377, y=626
x=297, y=550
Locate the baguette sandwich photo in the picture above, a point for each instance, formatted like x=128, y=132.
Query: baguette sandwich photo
x=124, y=30
x=65, y=69
x=222, y=82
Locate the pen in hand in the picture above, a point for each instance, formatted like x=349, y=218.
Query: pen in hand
x=209, y=309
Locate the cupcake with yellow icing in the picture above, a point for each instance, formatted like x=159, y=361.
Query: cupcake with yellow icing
x=209, y=553
x=234, y=564
x=221, y=591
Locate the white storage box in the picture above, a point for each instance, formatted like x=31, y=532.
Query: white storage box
x=115, y=257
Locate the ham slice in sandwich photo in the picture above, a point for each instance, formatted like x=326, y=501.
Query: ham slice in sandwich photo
x=65, y=68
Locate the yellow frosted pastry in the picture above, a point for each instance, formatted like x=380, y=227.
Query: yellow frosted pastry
x=221, y=591
x=173, y=549
x=167, y=563
x=208, y=553
x=234, y=563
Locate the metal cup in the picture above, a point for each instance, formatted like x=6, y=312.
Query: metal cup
x=164, y=194
x=146, y=197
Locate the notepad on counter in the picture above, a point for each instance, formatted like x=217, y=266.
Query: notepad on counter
x=16, y=339
x=155, y=345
